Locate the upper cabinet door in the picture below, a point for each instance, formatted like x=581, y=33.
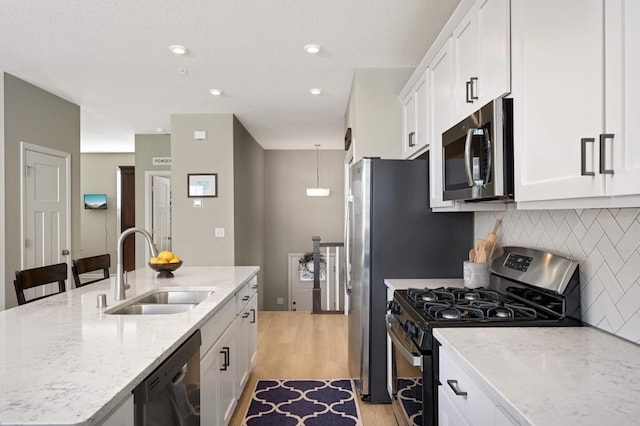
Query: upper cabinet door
x=482, y=60
x=440, y=107
x=558, y=75
x=622, y=87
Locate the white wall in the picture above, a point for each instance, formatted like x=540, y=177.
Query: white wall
x=606, y=242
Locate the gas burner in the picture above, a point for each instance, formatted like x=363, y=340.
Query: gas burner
x=471, y=295
x=502, y=312
x=429, y=297
x=449, y=314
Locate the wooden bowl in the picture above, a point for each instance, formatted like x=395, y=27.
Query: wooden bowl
x=165, y=270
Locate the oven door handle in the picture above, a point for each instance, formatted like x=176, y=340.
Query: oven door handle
x=411, y=353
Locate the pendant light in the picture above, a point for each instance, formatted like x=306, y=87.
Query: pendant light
x=317, y=191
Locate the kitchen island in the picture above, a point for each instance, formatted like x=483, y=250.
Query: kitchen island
x=548, y=376
x=65, y=361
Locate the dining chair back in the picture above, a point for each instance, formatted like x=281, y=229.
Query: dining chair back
x=36, y=277
x=90, y=264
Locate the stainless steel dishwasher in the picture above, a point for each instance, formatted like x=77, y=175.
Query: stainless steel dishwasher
x=171, y=394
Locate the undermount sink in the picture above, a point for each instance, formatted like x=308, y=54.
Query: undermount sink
x=152, y=309
x=163, y=301
x=169, y=297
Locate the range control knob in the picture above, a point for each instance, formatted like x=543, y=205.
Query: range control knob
x=395, y=308
x=410, y=328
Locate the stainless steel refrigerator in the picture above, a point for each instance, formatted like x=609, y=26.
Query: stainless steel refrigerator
x=392, y=233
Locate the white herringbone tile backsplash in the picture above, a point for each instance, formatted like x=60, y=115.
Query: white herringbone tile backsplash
x=606, y=243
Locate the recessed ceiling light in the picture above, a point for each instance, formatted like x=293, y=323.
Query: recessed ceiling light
x=178, y=50
x=215, y=92
x=315, y=91
x=312, y=48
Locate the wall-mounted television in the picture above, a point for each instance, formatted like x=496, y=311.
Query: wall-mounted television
x=95, y=201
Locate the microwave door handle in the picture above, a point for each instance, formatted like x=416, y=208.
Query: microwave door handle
x=467, y=157
x=489, y=152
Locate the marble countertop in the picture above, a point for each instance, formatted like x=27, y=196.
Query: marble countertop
x=403, y=284
x=552, y=376
x=64, y=361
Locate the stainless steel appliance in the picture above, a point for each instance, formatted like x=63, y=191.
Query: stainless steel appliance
x=527, y=288
x=392, y=233
x=171, y=394
x=478, y=155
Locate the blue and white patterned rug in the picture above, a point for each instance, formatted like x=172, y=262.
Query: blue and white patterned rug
x=303, y=402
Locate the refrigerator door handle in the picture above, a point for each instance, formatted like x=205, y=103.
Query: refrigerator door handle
x=347, y=244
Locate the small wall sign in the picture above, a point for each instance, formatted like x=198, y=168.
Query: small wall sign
x=161, y=161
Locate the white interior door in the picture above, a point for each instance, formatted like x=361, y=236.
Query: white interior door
x=45, y=204
x=161, y=211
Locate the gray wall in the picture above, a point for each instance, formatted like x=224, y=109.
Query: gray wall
x=98, y=228
x=374, y=112
x=292, y=218
x=2, y=195
x=248, y=178
x=193, y=228
x=38, y=117
x=147, y=147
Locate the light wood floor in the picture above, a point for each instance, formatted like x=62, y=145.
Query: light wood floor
x=298, y=345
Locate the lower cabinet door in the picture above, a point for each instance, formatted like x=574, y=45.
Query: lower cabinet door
x=209, y=398
x=218, y=391
x=448, y=414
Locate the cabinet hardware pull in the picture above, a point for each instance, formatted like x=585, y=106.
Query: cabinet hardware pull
x=244, y=299
x=603, y=166
x=412, y=139
x=474, y=85
x=246, y=315
x=225, y=363
x=453, y=384
x=583, y=156
x=255, y=286
x=468, y=83
x=253, y=311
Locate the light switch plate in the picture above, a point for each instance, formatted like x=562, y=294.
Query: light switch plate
x=219, y=232
x=200, y=135
x=197, y=203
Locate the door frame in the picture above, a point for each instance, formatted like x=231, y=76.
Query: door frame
x=148, y=178
x=24, y=147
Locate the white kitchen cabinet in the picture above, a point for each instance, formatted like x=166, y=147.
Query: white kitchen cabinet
x=575, y=102
x=462, y=401
x=228, y=351
x=441, y=111
x=218, y=390
x=414, y=114
x=482, y=62
x=123, y=415
x=448, y=414
x=247, y=334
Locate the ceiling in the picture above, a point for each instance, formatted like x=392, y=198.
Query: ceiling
x=111, y=57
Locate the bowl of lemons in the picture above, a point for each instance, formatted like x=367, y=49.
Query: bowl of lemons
x=165, y=263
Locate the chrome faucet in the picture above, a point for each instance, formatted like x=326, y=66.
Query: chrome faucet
x=119, y=291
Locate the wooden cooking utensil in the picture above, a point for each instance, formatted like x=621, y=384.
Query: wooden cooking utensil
x=491, y=238
x=472, y=255
x=480, y=249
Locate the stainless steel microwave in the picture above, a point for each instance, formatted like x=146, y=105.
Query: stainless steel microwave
x=477, y=155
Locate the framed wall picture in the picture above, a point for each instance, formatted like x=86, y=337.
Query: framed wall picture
x=202, y=185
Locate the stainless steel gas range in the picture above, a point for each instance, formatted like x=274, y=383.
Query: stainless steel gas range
x=527, y=288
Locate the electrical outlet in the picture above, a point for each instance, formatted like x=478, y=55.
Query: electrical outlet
x=219, y=232
x=280, y=300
